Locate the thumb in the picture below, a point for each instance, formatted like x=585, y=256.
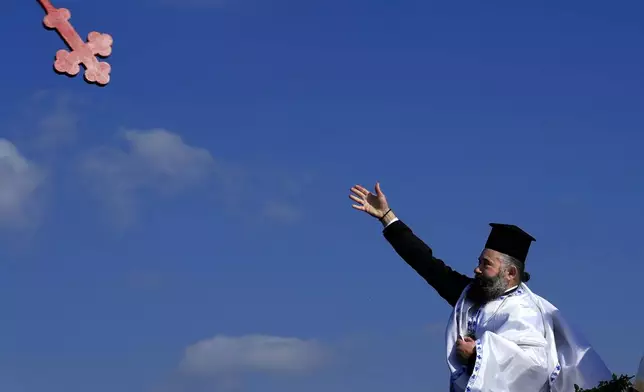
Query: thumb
x=378, y=190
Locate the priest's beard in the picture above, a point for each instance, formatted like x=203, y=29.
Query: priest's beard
x=486, y=289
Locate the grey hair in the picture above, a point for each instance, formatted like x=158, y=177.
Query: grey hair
x=509, y=261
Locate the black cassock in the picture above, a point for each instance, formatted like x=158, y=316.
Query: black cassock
x=448, y=283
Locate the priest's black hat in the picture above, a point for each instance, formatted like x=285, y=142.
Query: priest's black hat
x=510, y=240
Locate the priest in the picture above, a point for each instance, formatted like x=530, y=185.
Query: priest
x=501, y=337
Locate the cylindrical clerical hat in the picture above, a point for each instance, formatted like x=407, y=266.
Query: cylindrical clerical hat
x=510, y=240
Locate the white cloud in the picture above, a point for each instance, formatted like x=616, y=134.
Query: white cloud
x=223, y=355
x=20, y=180
x=166, y=157
x=155, y=160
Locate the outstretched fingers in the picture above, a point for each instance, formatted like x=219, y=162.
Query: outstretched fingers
x=360, y=191
x=360, y=206
x=359, y=196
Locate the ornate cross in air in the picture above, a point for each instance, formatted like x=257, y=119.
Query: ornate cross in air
x=82, y=52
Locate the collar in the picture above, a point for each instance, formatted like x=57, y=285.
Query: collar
x=511, y=290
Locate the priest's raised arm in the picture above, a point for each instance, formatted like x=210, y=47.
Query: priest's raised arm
x=448, y=283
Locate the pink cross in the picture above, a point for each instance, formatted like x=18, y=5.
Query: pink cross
x=82, y=53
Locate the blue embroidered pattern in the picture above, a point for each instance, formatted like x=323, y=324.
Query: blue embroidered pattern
x=477, y=366
x=555, y=373
x=473, y=322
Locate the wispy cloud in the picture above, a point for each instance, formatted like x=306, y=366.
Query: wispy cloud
x=145, y=163
x=161, y=162
x=20, y=183
x=155, y=160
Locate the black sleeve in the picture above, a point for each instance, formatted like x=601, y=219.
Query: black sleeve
x=448, y=283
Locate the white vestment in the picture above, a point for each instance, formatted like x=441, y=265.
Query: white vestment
x=522, y=345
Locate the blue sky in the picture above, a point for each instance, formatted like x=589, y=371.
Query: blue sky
x=172, y=231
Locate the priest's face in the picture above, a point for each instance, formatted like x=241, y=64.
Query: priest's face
x=491, y=277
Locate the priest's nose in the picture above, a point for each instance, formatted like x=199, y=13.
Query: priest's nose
x=477, y=270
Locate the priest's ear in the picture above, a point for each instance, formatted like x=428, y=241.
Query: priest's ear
x=513, y=272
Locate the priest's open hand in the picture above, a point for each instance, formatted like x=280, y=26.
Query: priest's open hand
x=373, y=204
x=465, y=348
